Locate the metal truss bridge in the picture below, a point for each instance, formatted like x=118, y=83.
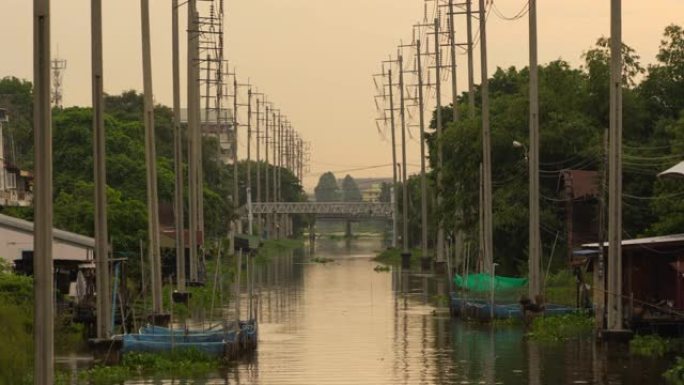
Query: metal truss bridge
x=352, y=210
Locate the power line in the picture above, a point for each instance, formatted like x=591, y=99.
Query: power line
x=523, y=11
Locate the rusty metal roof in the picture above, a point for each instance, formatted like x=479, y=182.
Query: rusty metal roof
x=581, y=184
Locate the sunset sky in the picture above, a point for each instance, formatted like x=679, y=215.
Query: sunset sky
x=315, y=59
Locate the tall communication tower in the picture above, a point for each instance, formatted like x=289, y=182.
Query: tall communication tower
x=58, y=66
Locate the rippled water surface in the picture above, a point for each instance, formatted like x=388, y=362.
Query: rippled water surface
x=344, y=323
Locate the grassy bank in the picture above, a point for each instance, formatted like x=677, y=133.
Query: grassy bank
x=392, y=256
x=16, y=338
x=185, y=364
x=274, y=247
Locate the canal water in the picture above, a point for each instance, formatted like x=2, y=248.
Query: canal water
x=344, y=323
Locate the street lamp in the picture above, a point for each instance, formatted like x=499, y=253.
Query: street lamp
x=517, y=144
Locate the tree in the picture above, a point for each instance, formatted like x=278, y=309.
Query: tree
x=327, y=189
x=350, y=191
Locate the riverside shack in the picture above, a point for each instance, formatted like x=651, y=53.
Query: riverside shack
x=652, y=282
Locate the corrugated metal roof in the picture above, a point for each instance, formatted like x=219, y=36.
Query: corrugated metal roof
x=676, y=171
x=659, y=240
x=59, y=235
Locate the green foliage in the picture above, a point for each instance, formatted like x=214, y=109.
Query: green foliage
x=559, y=328
x=675, y=375
x=392, y=256
x=350, y=190
x=561, y=288
x=126, y=170
x=322, y=260
x=327, y=190
x=274, y=247
x=649, y=345
x=188, y=363
x=16, y=313
x=574, y=104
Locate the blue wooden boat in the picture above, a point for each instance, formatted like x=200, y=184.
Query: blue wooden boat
x=482, y=309
x=137, y=343
x=162, y=331
x=179, y=337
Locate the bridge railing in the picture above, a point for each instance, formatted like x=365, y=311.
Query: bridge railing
x=341, y=209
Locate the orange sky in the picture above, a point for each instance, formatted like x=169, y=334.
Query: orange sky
x=315, y=58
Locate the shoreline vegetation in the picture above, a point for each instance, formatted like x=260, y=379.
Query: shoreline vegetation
x=16, y=341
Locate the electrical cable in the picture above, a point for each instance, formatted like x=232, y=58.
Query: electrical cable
x=524, y=11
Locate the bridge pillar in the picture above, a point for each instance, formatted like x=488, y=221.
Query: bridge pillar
x=312, y=238
x=348, y=229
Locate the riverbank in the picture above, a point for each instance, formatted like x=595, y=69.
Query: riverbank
x=16, y=338
x=392, y=256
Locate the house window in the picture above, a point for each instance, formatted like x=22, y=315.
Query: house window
x=11, y=180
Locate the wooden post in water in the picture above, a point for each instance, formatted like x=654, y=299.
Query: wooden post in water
x=44, y=306
x=238, y=274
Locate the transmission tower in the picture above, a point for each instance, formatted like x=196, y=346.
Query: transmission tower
x=58, y=66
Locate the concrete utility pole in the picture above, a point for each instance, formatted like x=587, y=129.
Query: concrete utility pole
x=259, y=137
x=394, y=161
x=44, y=306
x=452, y=52
x=423, y=180
x=249, y=140
x=151, y=160
x=178, y=153
x=533, y=158
x=279, y=163
x=266, y=171
x=99, y=156
x=274, y=196
x=402, y=114
x=488, y=247
x=193, y=133
x=258, y=150
x=279, y=188
x=236, y=188
x=459, y=236
x=438, y=121
x=471, y=67
x=614, y=303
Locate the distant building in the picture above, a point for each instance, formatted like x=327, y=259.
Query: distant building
x=71, y=252
x=372, y=193
x=15, y=185
x=371, y=188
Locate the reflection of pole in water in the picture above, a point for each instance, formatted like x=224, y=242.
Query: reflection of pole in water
x=599, y=364
x=425, y=290
x=533, y=364
x=423, y=350
x=489, y=368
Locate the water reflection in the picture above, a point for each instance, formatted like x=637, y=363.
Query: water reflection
x=344, y=323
